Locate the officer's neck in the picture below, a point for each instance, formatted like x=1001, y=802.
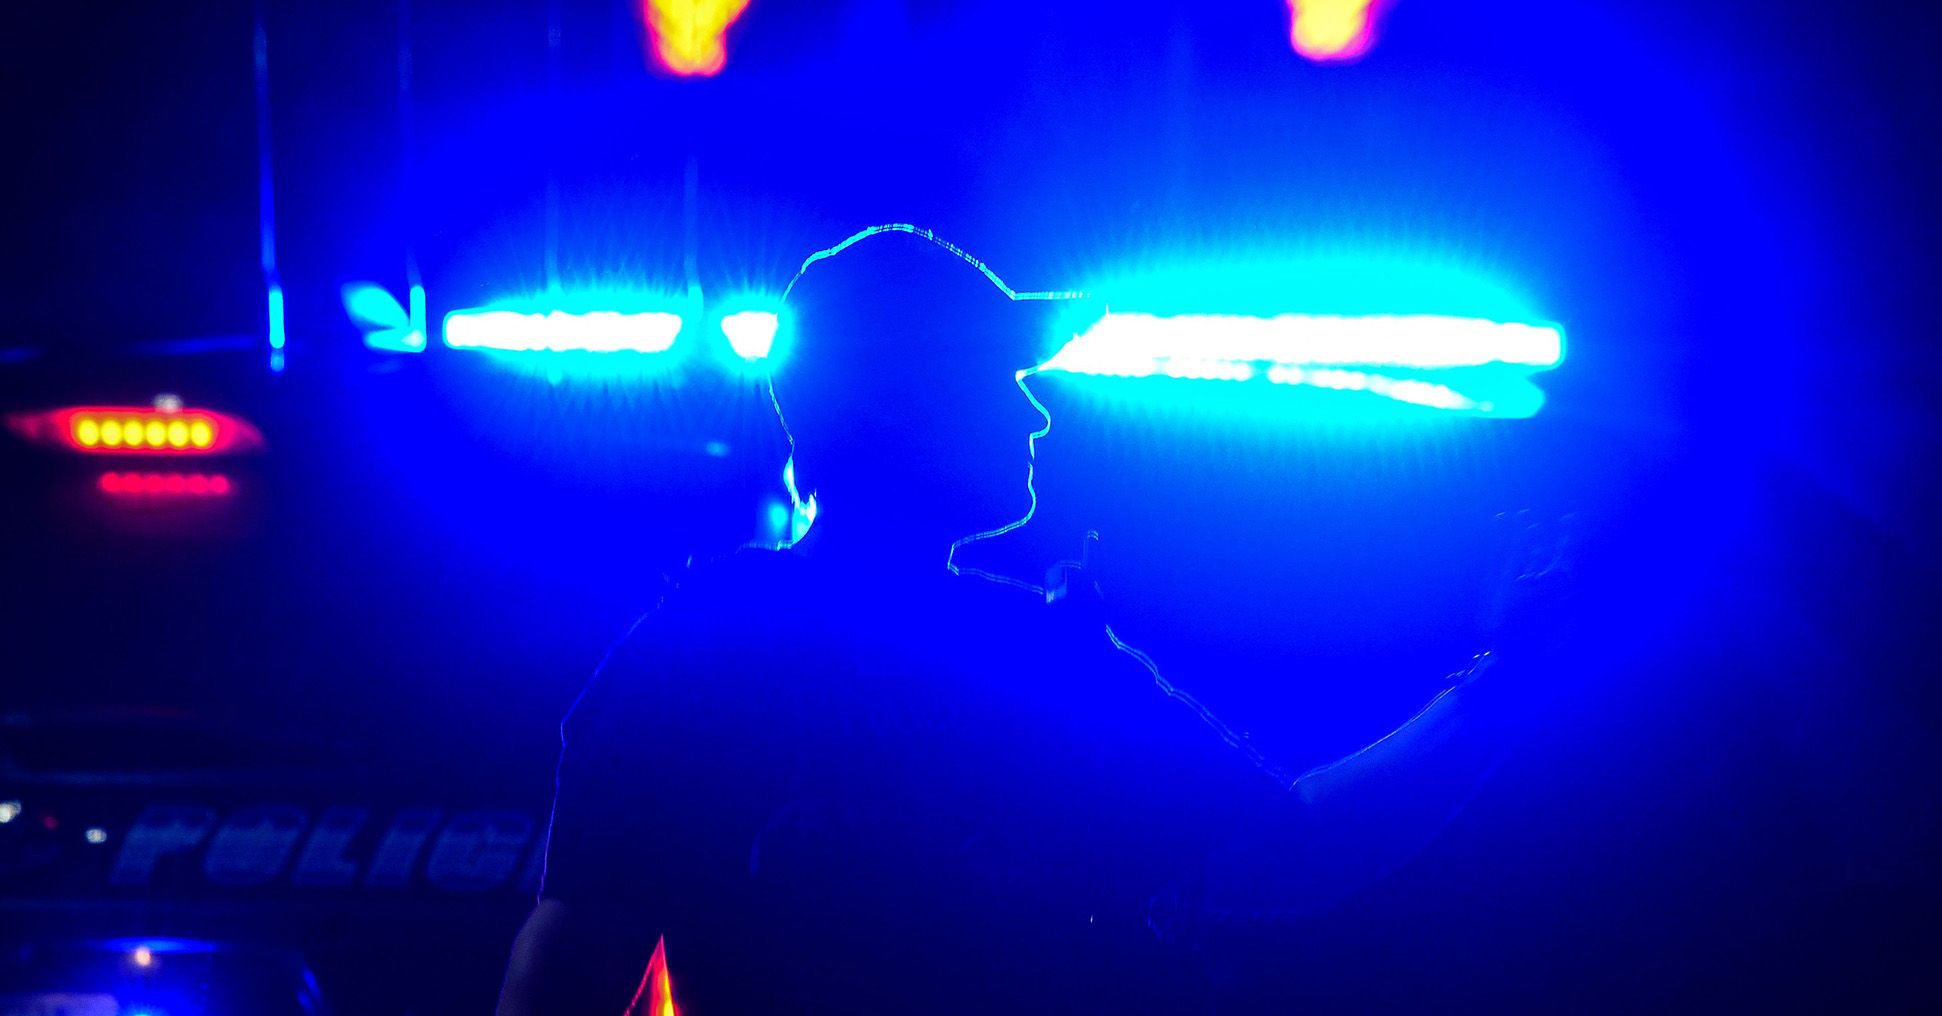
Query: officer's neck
x=879, y=543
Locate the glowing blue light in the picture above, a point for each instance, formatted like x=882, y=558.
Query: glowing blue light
x=755, y=328
x=602, y=331
x=371, y=306
x=276, y=333
x=396, y=340
x=1419, y=392
x=1136, y=345
x=802, y=513
x=1460, y=364
x=385, y=323
x=266, y=194
x=159, y=946
x=777, y=516
x=417, y=313
x=751, y=333
x=276, y=317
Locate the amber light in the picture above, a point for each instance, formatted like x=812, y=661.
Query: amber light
x=137, y=430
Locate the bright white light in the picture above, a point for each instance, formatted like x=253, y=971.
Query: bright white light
x=96, y=835
x=1142, y=345
x=750, y=333
x=143, y=956
x=559, y=331
x=9, y=810
x=1422, y=393
x=1489, y=361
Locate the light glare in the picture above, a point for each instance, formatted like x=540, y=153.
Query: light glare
x=560, y=331
x=1136, y=345
x=751, y=333
x=1372, y=353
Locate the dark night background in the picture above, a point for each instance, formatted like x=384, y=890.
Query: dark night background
x=1731, y=802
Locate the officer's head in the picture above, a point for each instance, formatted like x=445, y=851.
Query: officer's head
x=898, y=381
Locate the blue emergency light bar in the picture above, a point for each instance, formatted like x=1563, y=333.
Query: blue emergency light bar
x=599, y=331
x=1466, y=365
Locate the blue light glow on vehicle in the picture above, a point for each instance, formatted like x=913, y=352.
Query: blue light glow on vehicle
x=558, y=331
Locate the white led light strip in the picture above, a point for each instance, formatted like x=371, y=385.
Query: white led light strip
x=560, y=331
x=1222, y=345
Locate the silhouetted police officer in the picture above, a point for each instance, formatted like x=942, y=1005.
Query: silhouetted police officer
x=842, y=777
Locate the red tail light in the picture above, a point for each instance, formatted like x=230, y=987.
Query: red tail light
x=164, y=485
x=133, y=430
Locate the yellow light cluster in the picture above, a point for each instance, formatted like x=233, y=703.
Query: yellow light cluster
x=158, y=432
x=689, y=34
